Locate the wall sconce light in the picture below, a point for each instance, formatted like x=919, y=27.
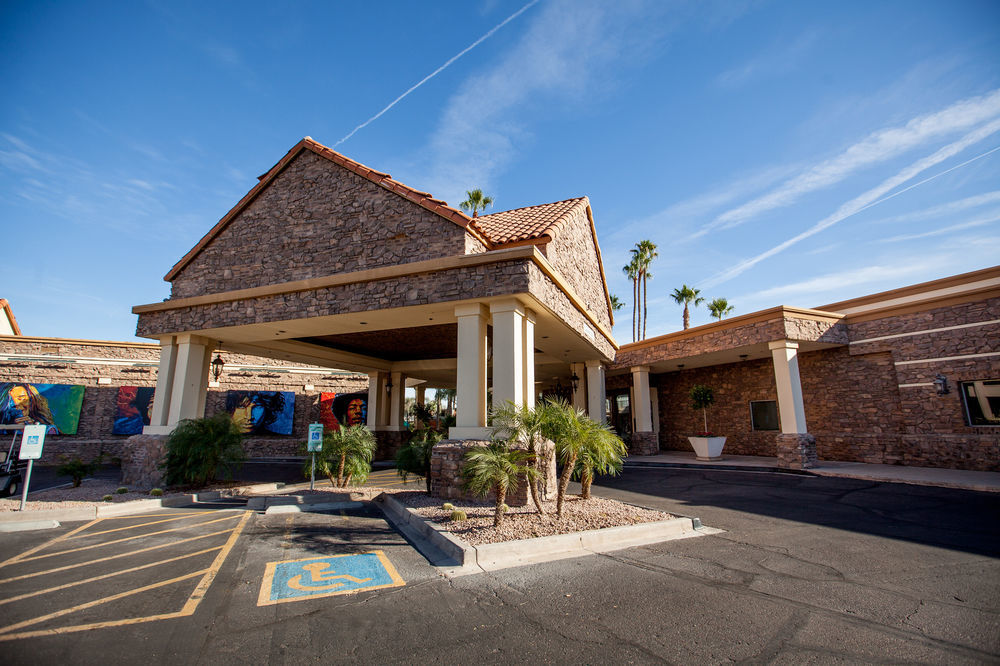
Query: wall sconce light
x=217, y=365
x=576, y=382
x=388, y=385
x=941, y=384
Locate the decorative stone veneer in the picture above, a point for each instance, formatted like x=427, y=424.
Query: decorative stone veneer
x=446, y=473
x=389, y=442
x=141, y=459
x=542, y=288
x=573, y=253
x=317, y=218
x=644, y=444
x=796, y=451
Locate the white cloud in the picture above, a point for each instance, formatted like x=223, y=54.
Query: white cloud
x=847, y=278
x=772, y=62
x=945, y=209
x=971, y=224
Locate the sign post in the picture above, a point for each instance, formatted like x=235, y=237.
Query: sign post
x=314, y=444
x=32, y=440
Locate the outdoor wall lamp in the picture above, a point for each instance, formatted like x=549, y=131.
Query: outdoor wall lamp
x=941, y=384
x=388, y=385
x=217, y=365
x=576, y=382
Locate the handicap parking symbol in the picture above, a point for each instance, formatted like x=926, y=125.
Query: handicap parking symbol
x=294, y=580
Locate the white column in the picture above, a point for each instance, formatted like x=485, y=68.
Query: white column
x=158, y=419
x=654, y=400
x=508, y=352
x=420, y=392
x=595, y=391
x=187, y=397
x=640, y=407
x=791, y=409
x=375, y=400
x=528, y=339
x=396, y=401
x=580, y=394
x=470, y=420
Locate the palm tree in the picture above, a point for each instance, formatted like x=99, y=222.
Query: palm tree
x=646, y=253
x=346, y=454
x=631, y=270
x=415, y=457
x=616, y=303
x=475, y=202
x=498, y=468
x=523, y=425
x=566, y=427
x=602, y=453
x=719, y=308
x=686, y=295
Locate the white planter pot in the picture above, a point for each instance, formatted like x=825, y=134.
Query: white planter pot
x=707, y=448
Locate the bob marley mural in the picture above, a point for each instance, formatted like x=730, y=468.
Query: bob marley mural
x=349, y=409
x=132, y=409
x=54, y=405
x=262, y=412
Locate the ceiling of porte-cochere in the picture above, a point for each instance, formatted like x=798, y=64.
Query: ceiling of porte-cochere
x=400, y=344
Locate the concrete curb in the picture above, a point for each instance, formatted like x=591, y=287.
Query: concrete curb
x=106, y=510
x=491, y=557
x=29, y=525
x=639, y=464
x=316, y=506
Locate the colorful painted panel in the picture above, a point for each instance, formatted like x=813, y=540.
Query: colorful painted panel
x=55, y=405
x=343, y=408
x=132, y=409
x=262, y=412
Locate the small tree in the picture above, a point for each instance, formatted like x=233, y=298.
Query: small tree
x=521, y=424
x=702, y=398
x=346, y=455
x=199, y=449
x=76, y=469
x=498, y=468
x=566, y=427
x=602, y=453
x=415, y=456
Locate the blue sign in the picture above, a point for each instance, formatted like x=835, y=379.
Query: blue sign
x=295, y=580
x=315, y=442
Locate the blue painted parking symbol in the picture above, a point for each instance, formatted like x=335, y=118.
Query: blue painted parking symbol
x=293, y=580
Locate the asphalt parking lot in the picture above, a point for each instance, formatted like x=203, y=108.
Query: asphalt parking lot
x=808, y=570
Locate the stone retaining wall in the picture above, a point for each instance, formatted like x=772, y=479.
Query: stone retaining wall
x=141, y=459
x=446, y=473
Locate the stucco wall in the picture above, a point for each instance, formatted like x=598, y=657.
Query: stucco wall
x=317, y=218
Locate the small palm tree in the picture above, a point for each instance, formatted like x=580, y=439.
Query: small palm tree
x=603, y=453
x=498, y=468
x=616, y=303
x=719, y=308
x=686, y=295
x=415, y=457
x=566, y=427
x=475, y=202
x=523, y=425
x=346, y=455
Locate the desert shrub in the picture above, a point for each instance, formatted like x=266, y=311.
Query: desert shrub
x=415, y=456
x=108, y=498
x=76, y=469
x=200, y=449
x=122, y=490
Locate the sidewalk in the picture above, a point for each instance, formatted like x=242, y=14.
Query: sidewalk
x=925, y=476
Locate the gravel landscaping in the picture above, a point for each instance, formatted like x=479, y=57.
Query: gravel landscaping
x=88, y=494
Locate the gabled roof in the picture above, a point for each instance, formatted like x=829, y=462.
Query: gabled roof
x=529, y=223
x=9, y=315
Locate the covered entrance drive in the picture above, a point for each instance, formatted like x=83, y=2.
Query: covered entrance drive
x=331, y=263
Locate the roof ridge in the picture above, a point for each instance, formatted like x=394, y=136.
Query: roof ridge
x=551, y=203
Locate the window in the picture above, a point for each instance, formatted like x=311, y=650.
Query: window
x=764, y=414
x=981, y=400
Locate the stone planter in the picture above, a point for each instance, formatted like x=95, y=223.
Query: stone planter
x=707, y=448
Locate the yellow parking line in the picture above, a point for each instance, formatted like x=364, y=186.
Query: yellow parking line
x=111, y=557
x=5, y=635
x=199, y=592
x=108, y=575
x=132, y=527
x=131, y=538
x=20, y=558
x=150, y=515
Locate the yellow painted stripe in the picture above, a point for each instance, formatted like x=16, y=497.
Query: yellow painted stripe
x=112, y=557
x=202, y=588
x=132, y=527
x=150, y=515
x=107, y=575
x=20, y=558
x=123, y=540
x=87, y=627
x=5, y=631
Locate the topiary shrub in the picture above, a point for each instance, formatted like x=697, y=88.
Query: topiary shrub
x=458, y=515
x=156, y=492
x=200, y=449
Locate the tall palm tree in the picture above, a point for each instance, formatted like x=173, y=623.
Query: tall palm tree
x=645, y=252
x=602, y=453
x=520, y=424
x=686, y=295
x=475, y=202
x=719, y=308
x=631, y=270
x=498, y=468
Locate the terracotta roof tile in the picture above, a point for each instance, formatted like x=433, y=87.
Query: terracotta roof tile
x=530, y=223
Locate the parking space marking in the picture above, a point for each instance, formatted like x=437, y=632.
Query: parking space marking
x=12, y=632
x=131, y=538
x=178, y=516
x=21, y=557
x=314, y=577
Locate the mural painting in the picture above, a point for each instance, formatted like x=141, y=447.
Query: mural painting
x=55, y=405
x=132, y=409
x=262, y=412
x=343, y=408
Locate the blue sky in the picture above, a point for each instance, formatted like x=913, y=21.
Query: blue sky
x=792, y=153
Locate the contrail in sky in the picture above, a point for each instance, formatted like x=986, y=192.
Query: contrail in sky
x=439, y=69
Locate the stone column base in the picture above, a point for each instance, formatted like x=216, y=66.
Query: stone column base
x=796, y=450
x=141, y=459
x=446, y=473
x=389, y=442
x=644, y=444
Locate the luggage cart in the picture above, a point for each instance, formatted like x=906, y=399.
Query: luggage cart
x=11, y=469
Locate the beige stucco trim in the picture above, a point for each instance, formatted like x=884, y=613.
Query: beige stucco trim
x=577, y=302
x=894, y=296
x=73, y=341
x=779, y=312
x=600, y=264
x=939, y=300
x=9, y=317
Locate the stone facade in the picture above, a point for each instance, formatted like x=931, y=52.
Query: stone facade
x=643, y=444
x=573, y=253
x=796, y=451
x=446, y=473
x=315, y=219
x=141, y=458
x=542, y=288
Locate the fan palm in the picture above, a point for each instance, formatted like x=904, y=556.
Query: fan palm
x=498, y=468
x=719, y=308
x=686, y=295
x=644, y=253
x=631, y=270
x=602, y=453
x=475, y=202
x=521, y=424
x=616, y=303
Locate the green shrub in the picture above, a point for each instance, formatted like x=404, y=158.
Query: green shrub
x=122, y=490
x=77, y=469
x=415, y=457
x=346, y=456
x=200, y=449
x=458, y=515
x=108, y=498
x=156, y=492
